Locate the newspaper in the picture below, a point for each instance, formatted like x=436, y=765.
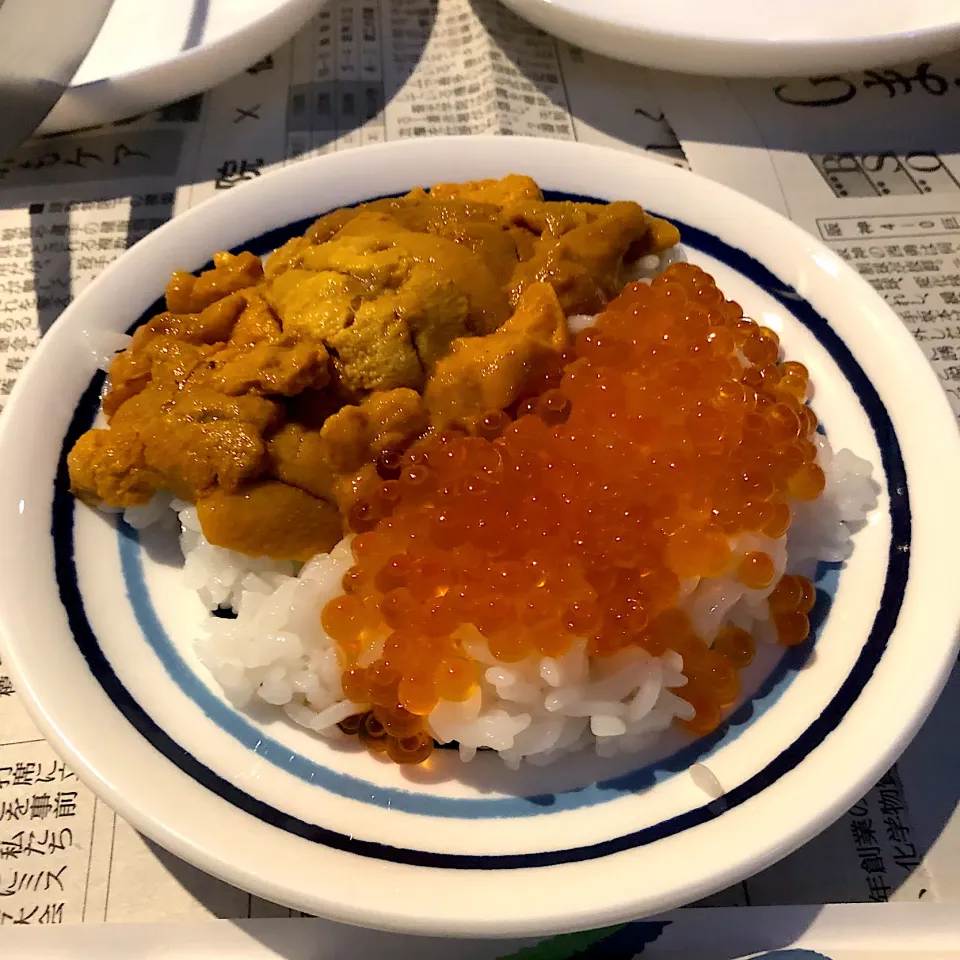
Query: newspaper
x=361, y=72
x=869, y=163
x=837, y=932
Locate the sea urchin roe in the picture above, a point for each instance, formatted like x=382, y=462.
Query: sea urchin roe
x=671, y=432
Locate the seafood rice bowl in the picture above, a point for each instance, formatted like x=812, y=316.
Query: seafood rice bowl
x=477, y=470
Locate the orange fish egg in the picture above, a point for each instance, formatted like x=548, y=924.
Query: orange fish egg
x=736, y=644
x=668, y=432
x=756, y=570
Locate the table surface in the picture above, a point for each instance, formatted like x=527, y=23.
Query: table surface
x=866, y=162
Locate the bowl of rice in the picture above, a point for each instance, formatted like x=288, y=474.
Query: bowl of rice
x=634, y=586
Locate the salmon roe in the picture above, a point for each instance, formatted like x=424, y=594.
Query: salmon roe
x=671, y=431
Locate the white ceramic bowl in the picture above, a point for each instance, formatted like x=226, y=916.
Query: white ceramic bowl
x=149, y=55
x=97, y=629
x=747, y=38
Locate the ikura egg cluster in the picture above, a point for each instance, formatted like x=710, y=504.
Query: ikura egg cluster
x=588, y=511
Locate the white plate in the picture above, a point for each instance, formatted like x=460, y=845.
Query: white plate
x=97, y=629
x=750, y=38
x=149, y=54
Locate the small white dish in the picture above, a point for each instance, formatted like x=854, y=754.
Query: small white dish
x=97, y=628
x=147, y=55
x=744, y=38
